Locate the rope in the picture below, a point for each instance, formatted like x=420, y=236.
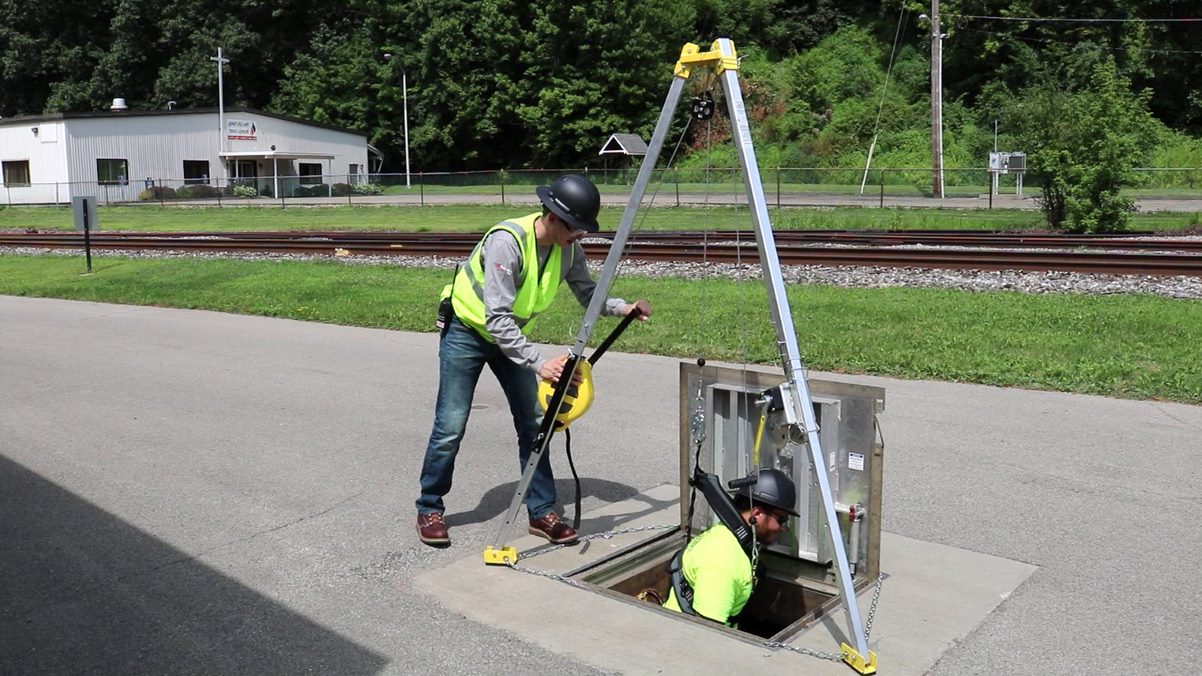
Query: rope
x=881, y=106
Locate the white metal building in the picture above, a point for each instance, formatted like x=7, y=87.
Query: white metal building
x=117, y=155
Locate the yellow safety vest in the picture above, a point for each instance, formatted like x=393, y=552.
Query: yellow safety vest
x=535, y=293
x=719, y=571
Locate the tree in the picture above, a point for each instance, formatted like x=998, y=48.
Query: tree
x=1084, y=145
x=593, y=68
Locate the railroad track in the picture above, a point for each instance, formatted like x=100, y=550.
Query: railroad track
x=926, y=249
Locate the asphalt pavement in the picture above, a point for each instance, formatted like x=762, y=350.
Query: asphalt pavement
x=189, y=491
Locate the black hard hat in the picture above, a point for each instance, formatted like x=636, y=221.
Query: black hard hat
x=574, y=199
x=773, y=488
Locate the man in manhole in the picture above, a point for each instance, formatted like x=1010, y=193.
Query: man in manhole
x=712, y=577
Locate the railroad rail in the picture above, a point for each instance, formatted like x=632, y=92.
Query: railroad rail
x=923, y=249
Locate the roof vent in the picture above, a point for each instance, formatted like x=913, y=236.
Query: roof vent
x=119, y=105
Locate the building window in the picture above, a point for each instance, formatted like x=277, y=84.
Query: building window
x=352, y=174
x=16, y=174
x=112, y=171
x=196, y=172
x=310, y=174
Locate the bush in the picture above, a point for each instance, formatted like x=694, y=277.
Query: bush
x=1084, y=147
x=245, y=191
x=367, y=188
x=316, y=190
x=196, y=192
x=157, y=193
x=342, y=189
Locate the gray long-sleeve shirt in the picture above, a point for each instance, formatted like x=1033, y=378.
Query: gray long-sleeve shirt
x=502, y=265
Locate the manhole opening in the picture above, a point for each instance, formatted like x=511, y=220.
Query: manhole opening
x=783, y=603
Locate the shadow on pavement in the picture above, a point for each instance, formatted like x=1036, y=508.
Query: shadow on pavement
x=83, y=591
x=496, y=500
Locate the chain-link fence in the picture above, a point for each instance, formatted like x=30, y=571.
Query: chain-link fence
x=677, y=186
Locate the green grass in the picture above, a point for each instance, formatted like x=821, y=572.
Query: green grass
x=1141, y=347
x=473, y=218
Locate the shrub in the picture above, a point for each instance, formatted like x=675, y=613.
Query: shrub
x=1084, y=147
x=245, y=191
x=198, y=191
x=316, y=190
x=367, y=188
x=158, y=192
x=342, y=189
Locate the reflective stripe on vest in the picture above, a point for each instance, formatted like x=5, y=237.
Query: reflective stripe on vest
x=534, y=294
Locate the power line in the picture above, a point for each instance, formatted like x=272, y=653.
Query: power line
x=1049, y=41
x=1070, y=20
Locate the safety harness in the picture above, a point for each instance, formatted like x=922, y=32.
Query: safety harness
x=728, y=515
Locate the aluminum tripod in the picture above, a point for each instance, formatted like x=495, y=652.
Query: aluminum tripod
x=799, y=409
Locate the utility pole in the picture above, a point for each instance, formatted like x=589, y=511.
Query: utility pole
x=405, y=113
x=936, y=102
x=221, y=61
x=405, y=104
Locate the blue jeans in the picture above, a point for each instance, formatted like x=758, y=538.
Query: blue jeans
x=462, y=354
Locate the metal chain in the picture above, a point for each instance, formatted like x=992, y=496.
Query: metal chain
x=585, y=538
x=876, y=596
x=697, y=423
x=833, y=657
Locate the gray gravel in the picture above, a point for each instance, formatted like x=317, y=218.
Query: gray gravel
x=848, y=277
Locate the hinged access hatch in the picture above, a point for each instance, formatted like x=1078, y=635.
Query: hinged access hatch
x=798, y=583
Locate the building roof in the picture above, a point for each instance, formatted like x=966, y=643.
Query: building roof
x=275, y=155
x=48, y=117
x=624, y=144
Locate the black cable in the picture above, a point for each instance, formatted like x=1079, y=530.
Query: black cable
x=567, y=448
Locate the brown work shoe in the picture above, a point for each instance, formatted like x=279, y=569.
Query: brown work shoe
x=553, y=528
x=432, y=529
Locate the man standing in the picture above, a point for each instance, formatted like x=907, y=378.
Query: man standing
x=511, y=276
x=714, y=571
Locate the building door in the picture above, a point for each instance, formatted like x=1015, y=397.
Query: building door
x=247, y=169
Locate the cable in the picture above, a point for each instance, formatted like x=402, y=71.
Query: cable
x=1041, y=19
x=901, y=17
x=1049, y=41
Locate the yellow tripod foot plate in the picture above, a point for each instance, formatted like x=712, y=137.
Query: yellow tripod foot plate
x=857, y=661
x=500, y=557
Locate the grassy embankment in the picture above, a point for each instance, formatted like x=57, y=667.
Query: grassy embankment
x=1126, y=346
x=465, y=218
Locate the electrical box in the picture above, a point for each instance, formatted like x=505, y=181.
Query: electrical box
x=1006, y=162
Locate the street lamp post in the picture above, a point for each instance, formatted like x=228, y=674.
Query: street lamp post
x=221, y=61
x=405, y=116
x=936, y=101
x=405, y=108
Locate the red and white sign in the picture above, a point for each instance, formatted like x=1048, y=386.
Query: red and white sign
x=241, y=130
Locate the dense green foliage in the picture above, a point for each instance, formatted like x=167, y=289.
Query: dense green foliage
x=502, y=83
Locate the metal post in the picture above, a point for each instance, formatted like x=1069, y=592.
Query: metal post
x=936, y=102
x=87, y=238
x=221, y=61
x=801, y=414
x=405, y=117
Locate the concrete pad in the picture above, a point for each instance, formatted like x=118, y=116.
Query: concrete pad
x=934, y=596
